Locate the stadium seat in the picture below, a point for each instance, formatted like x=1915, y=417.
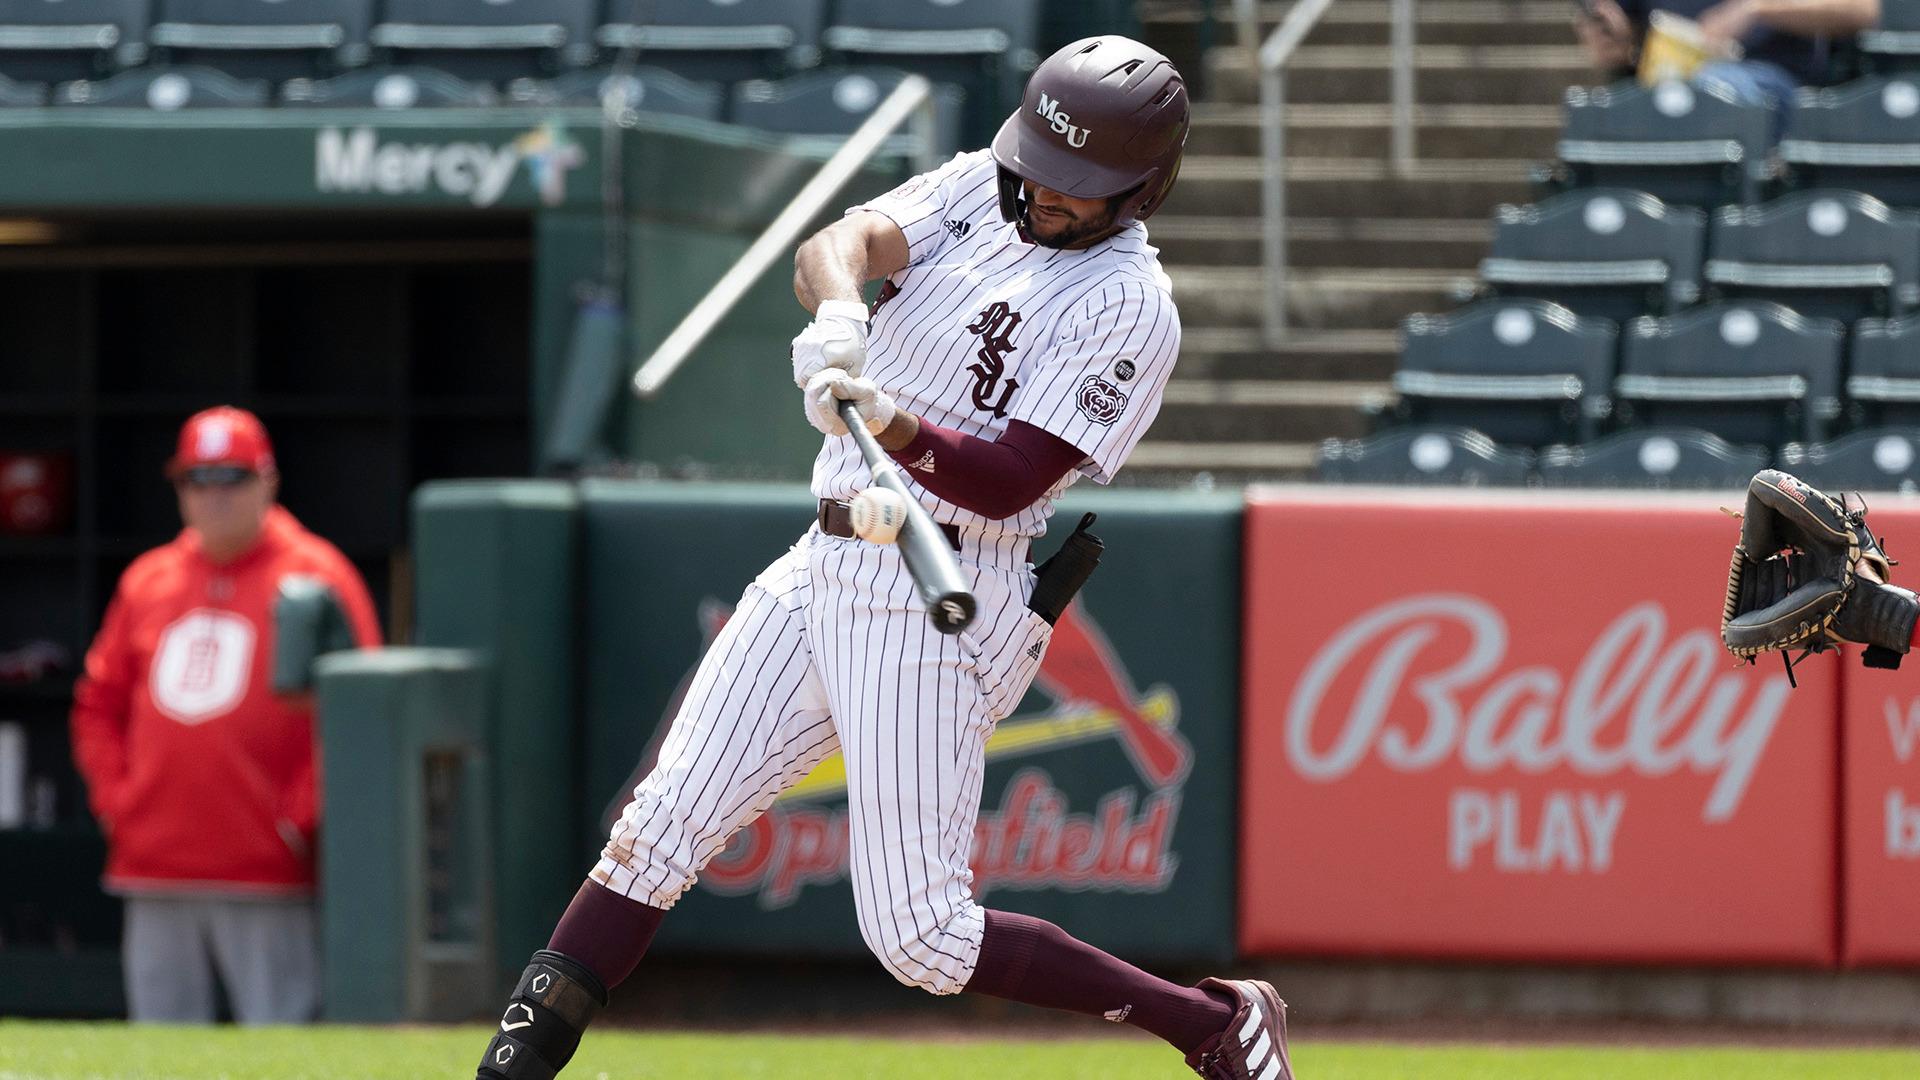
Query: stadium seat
x=21, y=94
x=643, y=90
x=1884, y=384
x=1878, y=459
x=1452, y=456
x=1864, y=136
x=1682, y=143
x=388, y=88
x=1836, y=254
x=831, y=104
x=1653, y=458
x=165, y=89
x=985, y=47
x=490, y=42
x=1748, y=371
x=1894, y=45
x=57, y=40
x=1521, y=371
x=725, y=40
x=1599, y=251
x=263, y=39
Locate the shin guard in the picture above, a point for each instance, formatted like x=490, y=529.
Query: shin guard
x=549, y=1011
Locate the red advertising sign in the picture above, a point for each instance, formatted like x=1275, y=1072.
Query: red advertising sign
x=1880, y=737
x=1503, y=726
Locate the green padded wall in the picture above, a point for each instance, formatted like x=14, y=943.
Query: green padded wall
x=495, y=573
x=405, y=922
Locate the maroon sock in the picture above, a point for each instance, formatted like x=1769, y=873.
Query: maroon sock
x=1027, y=960
x=606, y=931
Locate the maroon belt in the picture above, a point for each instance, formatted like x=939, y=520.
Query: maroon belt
x=836, y=519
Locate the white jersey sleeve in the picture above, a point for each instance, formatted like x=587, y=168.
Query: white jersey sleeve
x=920, y=206
x=1099, y=384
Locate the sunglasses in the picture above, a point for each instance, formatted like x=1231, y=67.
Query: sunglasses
x=215, y=476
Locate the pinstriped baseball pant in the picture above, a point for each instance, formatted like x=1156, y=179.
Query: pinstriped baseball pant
x=830, y=648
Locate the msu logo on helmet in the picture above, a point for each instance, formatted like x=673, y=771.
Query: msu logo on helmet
x=1061, y=123
x=1119, y=87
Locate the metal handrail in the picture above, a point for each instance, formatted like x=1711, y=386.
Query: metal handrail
x=911, y=100
x=1400, y=36
x=1270, y=66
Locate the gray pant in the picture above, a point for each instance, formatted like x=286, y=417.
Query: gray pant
x=266, y=953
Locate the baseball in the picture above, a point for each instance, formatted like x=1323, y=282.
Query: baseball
x=878, y=514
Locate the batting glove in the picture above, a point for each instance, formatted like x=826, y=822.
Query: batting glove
x=829, y=388
x=836, y=338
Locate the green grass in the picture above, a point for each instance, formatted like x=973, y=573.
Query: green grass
x=48, y=1051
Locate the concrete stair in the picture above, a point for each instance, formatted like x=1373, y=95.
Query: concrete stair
x=1368, y=245
x=1422, y=243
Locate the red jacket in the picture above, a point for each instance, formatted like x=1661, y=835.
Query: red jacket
x=204, y=778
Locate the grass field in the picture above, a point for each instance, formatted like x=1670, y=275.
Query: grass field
x=49, y=1051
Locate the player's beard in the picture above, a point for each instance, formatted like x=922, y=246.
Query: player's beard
x=1068, y=230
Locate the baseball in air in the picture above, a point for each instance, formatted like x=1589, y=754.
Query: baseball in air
x=878, y=513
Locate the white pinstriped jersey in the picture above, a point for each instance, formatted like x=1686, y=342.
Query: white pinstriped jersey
x=983, y=327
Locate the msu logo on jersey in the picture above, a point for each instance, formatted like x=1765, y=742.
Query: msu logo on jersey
x=995, y=326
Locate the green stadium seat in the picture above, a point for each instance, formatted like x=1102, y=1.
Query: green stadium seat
x=1685, y=144
x=1608, y=252
x=723, y=40
x=1748, y=371
x=164, y=89
x=1525, y=372
x=14, y=95
x=1877, y=459
x=1835, y=254
x=1883, y=386
x=264, y=39
x=1661, y=458
x=1438, y=455
x=985, y=47
x=389, y=88
x=56, y=40
x=1864, y=136
x=643, y=89
x=1894, y=45
x=493, y=41
x=829, y=105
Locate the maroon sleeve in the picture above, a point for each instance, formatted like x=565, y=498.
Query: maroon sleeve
x=996, y=478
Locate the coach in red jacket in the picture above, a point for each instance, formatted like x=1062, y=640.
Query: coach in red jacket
x=201, y=776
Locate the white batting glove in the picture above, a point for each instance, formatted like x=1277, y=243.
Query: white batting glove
x=836, y=338
x=826, y=390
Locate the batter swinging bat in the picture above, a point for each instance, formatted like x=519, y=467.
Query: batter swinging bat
x=929, y=557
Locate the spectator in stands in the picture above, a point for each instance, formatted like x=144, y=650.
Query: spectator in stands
x=1785, y=43
x=204, y=780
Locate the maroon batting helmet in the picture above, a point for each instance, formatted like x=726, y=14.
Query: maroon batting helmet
x=1104, y=116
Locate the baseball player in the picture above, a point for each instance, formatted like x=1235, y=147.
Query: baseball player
x=1022, y=339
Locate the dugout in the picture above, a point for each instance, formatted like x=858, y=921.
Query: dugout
x=394, y=293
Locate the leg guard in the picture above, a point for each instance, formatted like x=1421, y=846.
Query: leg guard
x=545, y=1018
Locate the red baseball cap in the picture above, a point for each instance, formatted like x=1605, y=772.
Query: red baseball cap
x=223, y=435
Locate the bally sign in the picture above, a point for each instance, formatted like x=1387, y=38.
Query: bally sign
x=1516, y=735
x=1880, y=733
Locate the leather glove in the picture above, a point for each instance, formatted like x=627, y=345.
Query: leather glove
x=827, y=389
x=836, y=338
x=1807, y=574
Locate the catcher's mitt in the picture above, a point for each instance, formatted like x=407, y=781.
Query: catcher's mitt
x=1796, y=580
